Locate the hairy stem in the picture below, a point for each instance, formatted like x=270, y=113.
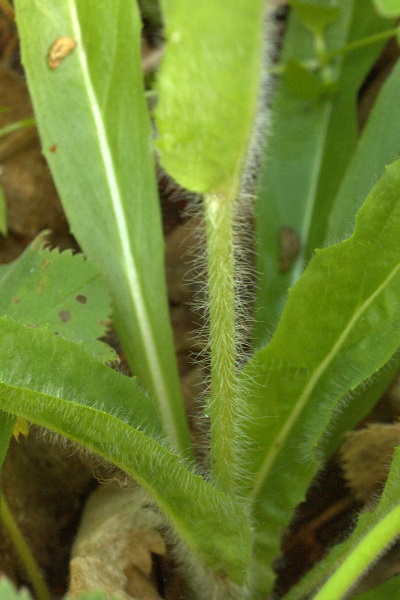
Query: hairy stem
x=24, y=552
x=222, y=401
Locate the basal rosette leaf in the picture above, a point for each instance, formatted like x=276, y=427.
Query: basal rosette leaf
x=307, y=151
x=92, y=117
x=213, y=525
x=36, y=359
x=340, y=325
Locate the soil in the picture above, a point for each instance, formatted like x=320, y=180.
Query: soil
x=47, y=483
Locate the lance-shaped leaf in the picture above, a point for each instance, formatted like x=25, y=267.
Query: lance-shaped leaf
x=62, y=291
x=340, y=325
x=378, y=146
x=39, y=360
x=212, y=524
x=307, y=151
x=82, y=61
x=376, y=532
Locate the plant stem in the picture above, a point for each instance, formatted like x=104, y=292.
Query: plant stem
x=16, y=125
x=222, y=401
x=312, y=63
x=365, y=41
x=24, y=552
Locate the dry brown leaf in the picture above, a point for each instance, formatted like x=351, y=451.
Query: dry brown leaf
x=32, y=200
x=180, y=250
x=366, y=455
x=114, y=546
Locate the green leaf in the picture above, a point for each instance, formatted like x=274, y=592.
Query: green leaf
x=61, y=291
x=387, y=8
x=3, y=213
x=306, y=155
x=213, y=525
x=315, y=16
x=36, y=359
x=378, y=146
x=208, y=90
x=6, y=428
x=346, y=563
x=301, y=82
x=362, y=400
x=385, y=591
x=340, y=325
x=8, y=591
x=94, y=126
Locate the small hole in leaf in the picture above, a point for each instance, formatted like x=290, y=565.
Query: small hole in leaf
x=64, y=315
x=81, y=299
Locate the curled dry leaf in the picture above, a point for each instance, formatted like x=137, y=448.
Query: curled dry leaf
x=366, y=455
x=32, y=200
x=114, y=546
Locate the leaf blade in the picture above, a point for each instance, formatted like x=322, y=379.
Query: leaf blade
x=349, y=315
x=204, y=150
x=61, y=291
x=307, y=152
x=39, y=360
x=376, y=530
x=195, y=508
x=107, y=124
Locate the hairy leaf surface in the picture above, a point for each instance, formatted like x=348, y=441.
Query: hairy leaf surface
x=208, y=88
x=211, y=523
x=36, y=359
x=340, y=325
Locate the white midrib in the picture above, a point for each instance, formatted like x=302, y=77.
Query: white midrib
x=304, y=397
x=130, y=268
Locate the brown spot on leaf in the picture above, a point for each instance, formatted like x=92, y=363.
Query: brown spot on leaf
x=64, y=315
x=81, y=299
x=16, y=300
x=59, y=50
x=53, y=148
x=289, y=246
